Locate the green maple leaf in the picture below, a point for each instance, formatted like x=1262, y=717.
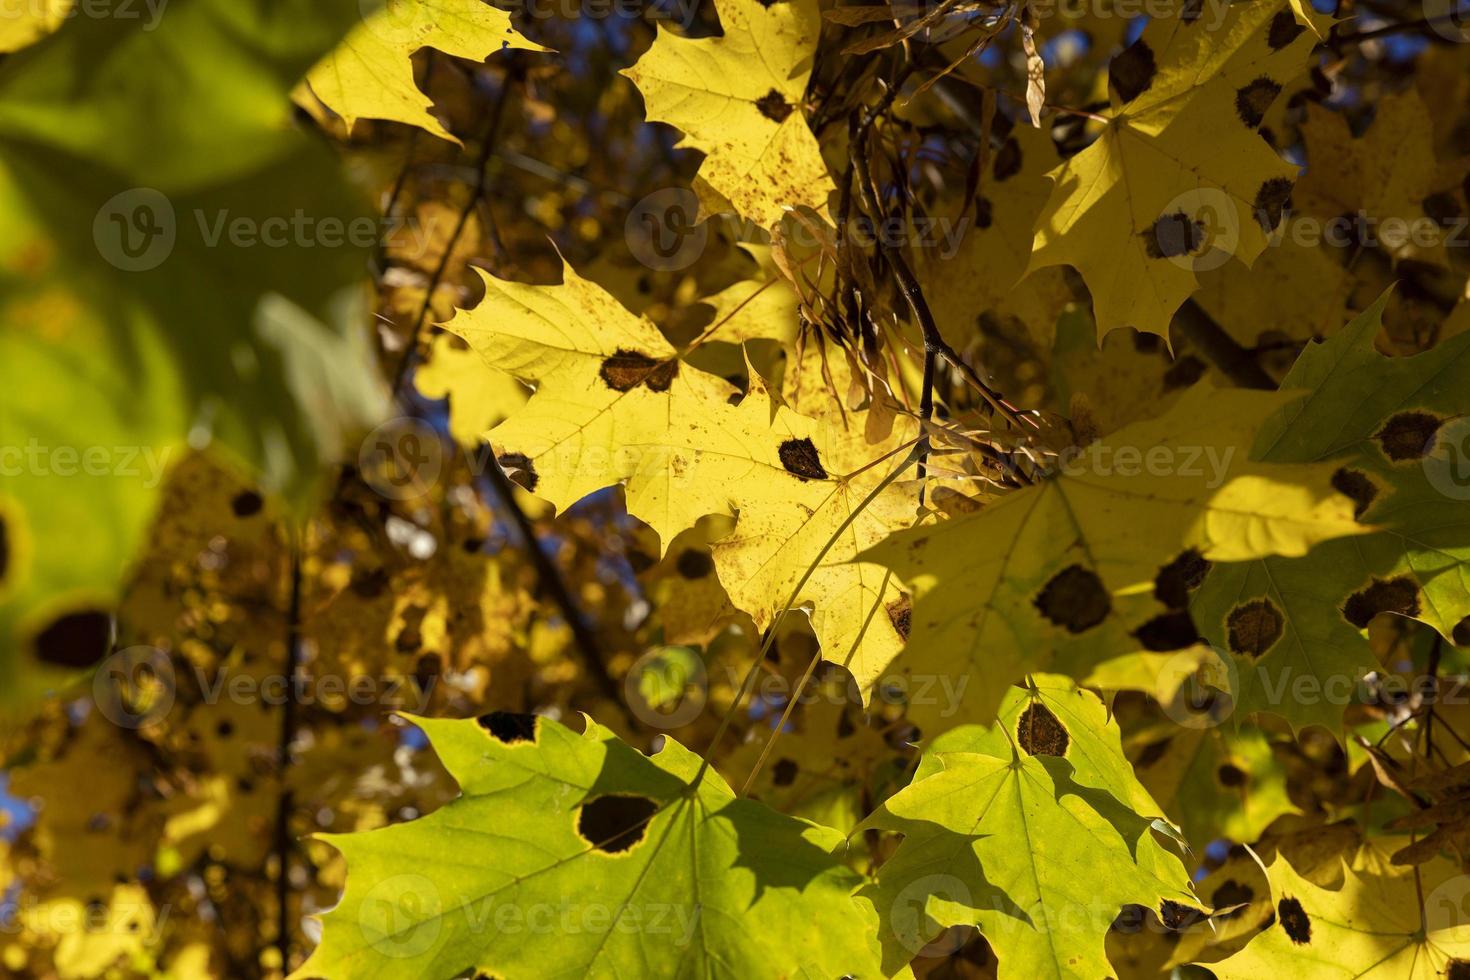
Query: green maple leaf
x=1033, y=830
x=132, y=324
x=1394, y=430
x=574, y=855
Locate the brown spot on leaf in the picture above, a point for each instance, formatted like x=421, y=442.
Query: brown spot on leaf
x=1356, y=485
x=694, y=564
x=1271, y=201
x=626, y=369
x=1408, y=435
x=1008, y=160
x=1169, y=631
x=783, y=773
x=1075, y=598
x=1040, y=732
x=1252, y=101
x=1180, y=577
x=1232, y=892
x=1232, y=777
x=1173, y=235
x=1131, y=73
x=900, y=614
x=1176, y=916
x=75, y=639
x=1293, y=919
x=1395, y=595
x=1443, y=208
x=1284, y=29
x=984, y=213
x=773, y=106
x=247, y=503
x=521, y=471
x=509, y=727
x=613, y=824
x=1457, y=970
x=1152, y=753
x=1254, y=627
x=800, y=458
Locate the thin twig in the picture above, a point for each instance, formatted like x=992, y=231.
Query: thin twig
x=551, y=580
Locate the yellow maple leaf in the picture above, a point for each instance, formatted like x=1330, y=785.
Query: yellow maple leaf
x=1179, y=171
x=370, y=74
x=1384, y=922
x=738, y=98
x=1095, y=562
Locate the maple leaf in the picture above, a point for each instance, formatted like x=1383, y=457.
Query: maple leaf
x=738, y=98
x=1033, y=830
x=106, y=192
x=1214, y=783
x=1179, y=167
x=370, y=76
x=1386, y=177
x=1058, y=574
x=1393, y=430
x=616, y=402
x=575, y=855
x=1381, y=923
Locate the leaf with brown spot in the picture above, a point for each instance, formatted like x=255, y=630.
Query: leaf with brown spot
x=1056, y=576
x=1173, y=173
x=736, y=98
x=1382, y=922
x=975, y=795
x=589, y=816
x=1416, y=561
